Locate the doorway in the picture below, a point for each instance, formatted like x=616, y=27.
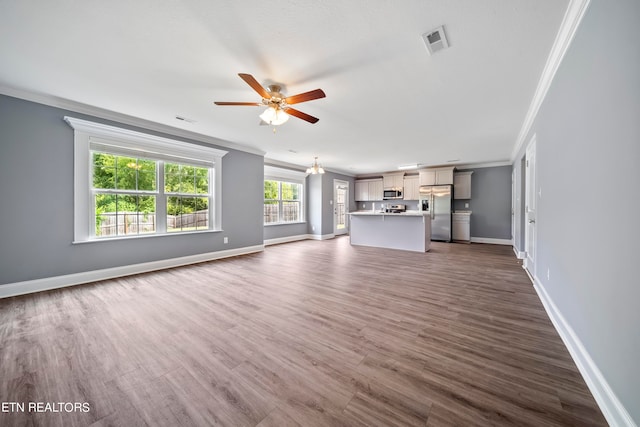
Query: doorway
x=340, y=207
x=530, y=208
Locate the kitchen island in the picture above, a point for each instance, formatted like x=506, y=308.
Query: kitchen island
x=409, y=231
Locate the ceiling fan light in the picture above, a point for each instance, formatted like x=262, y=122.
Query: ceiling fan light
x=274, y=116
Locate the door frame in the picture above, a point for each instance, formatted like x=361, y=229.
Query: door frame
x=530, y=235
x=336, y=183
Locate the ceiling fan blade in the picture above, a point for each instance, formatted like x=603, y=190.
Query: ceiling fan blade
x=251, y=81
x=301, y=115
x=307, y=96
x=255, y=104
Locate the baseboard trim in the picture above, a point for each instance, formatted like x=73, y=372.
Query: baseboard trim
x=49, y=283
x=321, y=236
x=612, y=409
x=519, y=254
x=286, y=239
x=492, y=241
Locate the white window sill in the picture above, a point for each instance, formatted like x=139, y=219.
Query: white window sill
x=142, y=236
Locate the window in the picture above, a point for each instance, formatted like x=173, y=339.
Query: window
x=283, y=196
x=131, y=184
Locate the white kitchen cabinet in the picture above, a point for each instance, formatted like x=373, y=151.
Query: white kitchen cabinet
x=461, y=227
x=427, y=177
x=436, y=176
x=368, y=190
x=444, y=176
x=393, y=180
x=411, y=187
x=376, y=189
x=462, y=185
x=362, y=191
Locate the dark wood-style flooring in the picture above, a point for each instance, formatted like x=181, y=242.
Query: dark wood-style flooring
x=312, y=333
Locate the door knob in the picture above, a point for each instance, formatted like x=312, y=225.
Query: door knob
x=532, y=221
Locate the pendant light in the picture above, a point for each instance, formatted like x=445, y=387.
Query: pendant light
x=315, y=168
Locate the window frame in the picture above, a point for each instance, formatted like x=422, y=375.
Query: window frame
x=281, y=175
x=90, y=136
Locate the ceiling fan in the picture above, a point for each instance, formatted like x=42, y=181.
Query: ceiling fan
x=278, y=106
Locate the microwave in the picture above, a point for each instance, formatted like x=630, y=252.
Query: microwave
x=391, y=194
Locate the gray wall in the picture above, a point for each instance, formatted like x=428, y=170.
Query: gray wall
x=327, y=198
x=36, y=172
x=490, y=202
x=319, y=205
x=588, y=157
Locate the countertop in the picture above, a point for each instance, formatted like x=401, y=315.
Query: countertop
x=461, y=212
x=407, y=213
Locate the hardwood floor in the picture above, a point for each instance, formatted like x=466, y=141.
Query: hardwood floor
x=312, y=333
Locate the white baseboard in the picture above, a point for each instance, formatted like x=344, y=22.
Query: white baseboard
x=286, y=239
x=492, y=241
x=612, y=409
x=519, y=254
x=48, y=283
x=321, y=236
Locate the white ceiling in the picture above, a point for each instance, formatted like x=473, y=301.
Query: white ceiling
x=388, y=102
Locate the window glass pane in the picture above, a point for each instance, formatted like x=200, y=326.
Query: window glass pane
x=290, y=211
x=105, y=208
x=271, y=190
x=126, y=173
x=146, y=214
x=146, y=175
x=290, y=191
x=171, y=178
x=187, y=213
x=202, y=181
x=104, y=171
x=271, y=211
x=124, y=214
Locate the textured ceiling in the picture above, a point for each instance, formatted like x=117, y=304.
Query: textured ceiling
x=388, y=102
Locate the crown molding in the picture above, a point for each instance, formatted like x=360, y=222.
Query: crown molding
x=484, y=165
x=78, y=107
x=572, y=18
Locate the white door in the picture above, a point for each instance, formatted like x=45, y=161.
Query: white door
x=530, y=208
x=340, y=207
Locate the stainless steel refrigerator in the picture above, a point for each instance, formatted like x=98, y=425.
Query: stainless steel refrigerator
x=437, y=200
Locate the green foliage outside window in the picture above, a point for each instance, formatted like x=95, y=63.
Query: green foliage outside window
x=185, y=180
x=187, y=187
x=111, y=172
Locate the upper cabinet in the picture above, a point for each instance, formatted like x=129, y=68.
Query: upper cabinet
x=462, y=185
x=427, y=177
x=436, y=176
x=368, y=190
x=411, y=188
x=393, y=180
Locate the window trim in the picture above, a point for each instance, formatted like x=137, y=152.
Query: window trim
x=87, y=133
x=272, y=173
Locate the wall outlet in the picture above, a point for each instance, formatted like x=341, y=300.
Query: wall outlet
x=313, y=228
x=466, y=205
x=364, y=205
x=225, y=240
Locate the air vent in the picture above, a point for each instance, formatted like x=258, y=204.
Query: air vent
x=185, y=119
x=435, y=40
